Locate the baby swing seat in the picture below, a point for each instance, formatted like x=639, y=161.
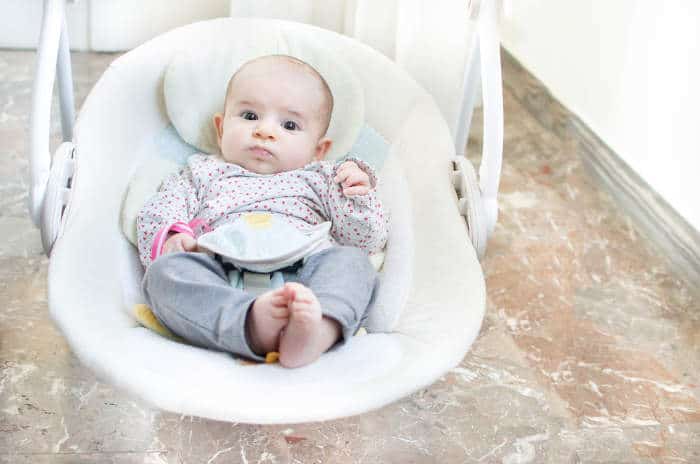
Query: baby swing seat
x=431, y=300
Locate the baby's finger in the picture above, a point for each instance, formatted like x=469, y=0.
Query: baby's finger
x=343, y=170
x=358, y=190
x=346, y=165
x=188, y=243
x=356, y=178
x=173, y=245
x=340, y=176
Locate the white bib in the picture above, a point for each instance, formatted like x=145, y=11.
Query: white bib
x=262, y=242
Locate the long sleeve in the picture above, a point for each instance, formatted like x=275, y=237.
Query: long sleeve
x=358, y=220
x=176, y=202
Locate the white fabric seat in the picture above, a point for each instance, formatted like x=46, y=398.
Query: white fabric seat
x=430, y=267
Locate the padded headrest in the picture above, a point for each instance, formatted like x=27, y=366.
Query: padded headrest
x=196, y=79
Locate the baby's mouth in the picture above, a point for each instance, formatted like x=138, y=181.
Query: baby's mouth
x=261, y=152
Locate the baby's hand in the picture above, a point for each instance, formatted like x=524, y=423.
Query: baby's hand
x=354, y=180
x=179, y=242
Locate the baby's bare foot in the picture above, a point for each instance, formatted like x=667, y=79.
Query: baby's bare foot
x=308, y=334
x=266, y=319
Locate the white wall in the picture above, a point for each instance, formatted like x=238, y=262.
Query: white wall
x=125, y=24
x=630, y=69
x=20, y=22
x=103, y=25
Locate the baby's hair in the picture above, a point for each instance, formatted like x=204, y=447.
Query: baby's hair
x=326, y=107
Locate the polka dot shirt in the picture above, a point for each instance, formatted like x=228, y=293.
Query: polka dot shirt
x=219, y=192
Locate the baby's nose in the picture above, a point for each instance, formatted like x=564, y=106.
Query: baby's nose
x=264, y=131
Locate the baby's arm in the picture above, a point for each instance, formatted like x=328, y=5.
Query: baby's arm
x=166, y=212
x=353, y=206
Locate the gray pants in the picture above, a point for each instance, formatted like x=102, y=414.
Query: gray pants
x=190, y=294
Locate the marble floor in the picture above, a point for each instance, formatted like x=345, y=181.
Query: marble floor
x=589, y=352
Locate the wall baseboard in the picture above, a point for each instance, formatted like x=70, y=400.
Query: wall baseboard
x=669, y=232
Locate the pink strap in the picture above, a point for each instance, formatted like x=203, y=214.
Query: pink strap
x=182, y=228
x=198, y=222
x=179, y=227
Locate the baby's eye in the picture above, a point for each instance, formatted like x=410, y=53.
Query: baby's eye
x=249, y=115
x=290, y=125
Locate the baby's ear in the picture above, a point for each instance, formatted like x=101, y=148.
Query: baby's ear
x=322, y=148
x=218, y=120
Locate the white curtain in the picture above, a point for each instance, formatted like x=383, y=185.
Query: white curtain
x=431, y=43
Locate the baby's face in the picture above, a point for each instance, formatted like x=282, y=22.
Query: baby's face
x=272, y=121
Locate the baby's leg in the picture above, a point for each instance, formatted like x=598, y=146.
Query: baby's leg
x=191, y=295
x=309, y=333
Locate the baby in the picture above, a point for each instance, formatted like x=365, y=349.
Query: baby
x=272, y=140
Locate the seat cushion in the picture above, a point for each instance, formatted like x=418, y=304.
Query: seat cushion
x=195, y=81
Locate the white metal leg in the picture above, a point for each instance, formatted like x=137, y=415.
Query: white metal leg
x=472, y=76
x=65, y=85
x=492, y=90
x=39, y=156
x=49, y=190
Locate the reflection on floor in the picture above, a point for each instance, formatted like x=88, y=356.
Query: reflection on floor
x=589, y=352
